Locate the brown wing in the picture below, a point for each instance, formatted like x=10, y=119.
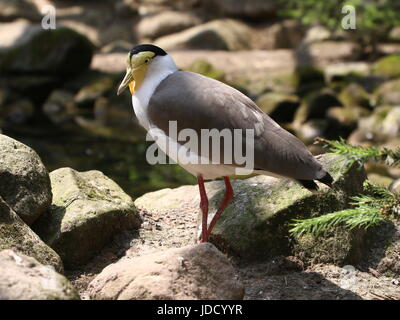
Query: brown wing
x=198, y=102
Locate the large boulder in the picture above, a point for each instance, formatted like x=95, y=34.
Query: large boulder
x=381, y=126
x=224, y=34
x=31, y=49
x=14, y=9
x=88, y=209
x=255, y=225
x=165, y=22
x=388, y=66
x=388, y=93
x=245, y=9
x=15, y=234
x=25, y=182
x=198, y=272
x=24, y=278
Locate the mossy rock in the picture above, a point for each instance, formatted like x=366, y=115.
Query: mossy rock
x=388, y=93
x=383, y=249
x=207, y=69
x=24, y=180
x=315, y=105
x=88, y=209
x=222, y=34
x=354, y=95
x=15, y=234
x=383, y=124
x=339, y=246
x=279, y=106
x=307, y=79
x=380, y=180
x=388, y=66
x=57, y=52
x=256, y=224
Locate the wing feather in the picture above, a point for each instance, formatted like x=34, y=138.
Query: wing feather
x=198, y=102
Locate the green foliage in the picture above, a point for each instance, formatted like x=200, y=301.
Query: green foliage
x=374, y=18
x=367, y=211
x=370, y=14
x=361, y=155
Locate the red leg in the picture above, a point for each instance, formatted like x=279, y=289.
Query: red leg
x=227, y=199
x=203, y=207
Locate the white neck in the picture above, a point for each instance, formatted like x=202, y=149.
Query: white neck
x=160, y=68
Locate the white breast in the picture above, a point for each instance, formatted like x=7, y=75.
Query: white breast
x=159, y=69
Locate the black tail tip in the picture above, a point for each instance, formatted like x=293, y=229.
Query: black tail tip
x=327, y=180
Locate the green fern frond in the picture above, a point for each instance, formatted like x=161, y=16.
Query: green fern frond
x=361, y=155
x=368, y=211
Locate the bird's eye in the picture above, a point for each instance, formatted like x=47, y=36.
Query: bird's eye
x=147, y=61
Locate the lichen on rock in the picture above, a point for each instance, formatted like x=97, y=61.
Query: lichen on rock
x=88, y=209
x=15, y=234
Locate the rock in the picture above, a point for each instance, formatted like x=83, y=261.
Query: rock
x=289, y=34
x=255, y=225
x=56, y=52
x=59, y=106
x=282, y=34
x=328, y=52
x=395, y=186
x=206, y=69
x=317, y=33
x=316, y=105
x=305, y=79
x=380, y=180
x=279, y=106
x=117, y=46
x=24, y=278
x=382, y=125
x=15, y=9
x=15, y=234
x=354, y=95
x=25, y=182
x=245, y=9
x=224, y=34
x=343, y=120
x=198, y=272
x=388, y=66
x=394, y=34
x=164, y=23
x=88, y=209
x=338, y=246
x=388, y=93
x=339, y=71
x=311, y=129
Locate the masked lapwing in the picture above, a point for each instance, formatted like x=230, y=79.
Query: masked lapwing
x=163, y=95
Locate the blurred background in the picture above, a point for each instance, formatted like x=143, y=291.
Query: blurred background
x=58, y=86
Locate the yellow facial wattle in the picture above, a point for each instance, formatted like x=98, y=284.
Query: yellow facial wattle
x=137, y=66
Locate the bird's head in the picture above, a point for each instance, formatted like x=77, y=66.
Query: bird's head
x=138, y=61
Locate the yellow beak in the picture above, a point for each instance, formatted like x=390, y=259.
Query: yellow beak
x=127, y=81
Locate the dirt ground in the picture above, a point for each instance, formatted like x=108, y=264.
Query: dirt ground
x=280, y=278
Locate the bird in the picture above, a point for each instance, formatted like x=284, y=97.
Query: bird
x=162, y=94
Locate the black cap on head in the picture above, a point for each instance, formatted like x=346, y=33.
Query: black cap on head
x=147, y=47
